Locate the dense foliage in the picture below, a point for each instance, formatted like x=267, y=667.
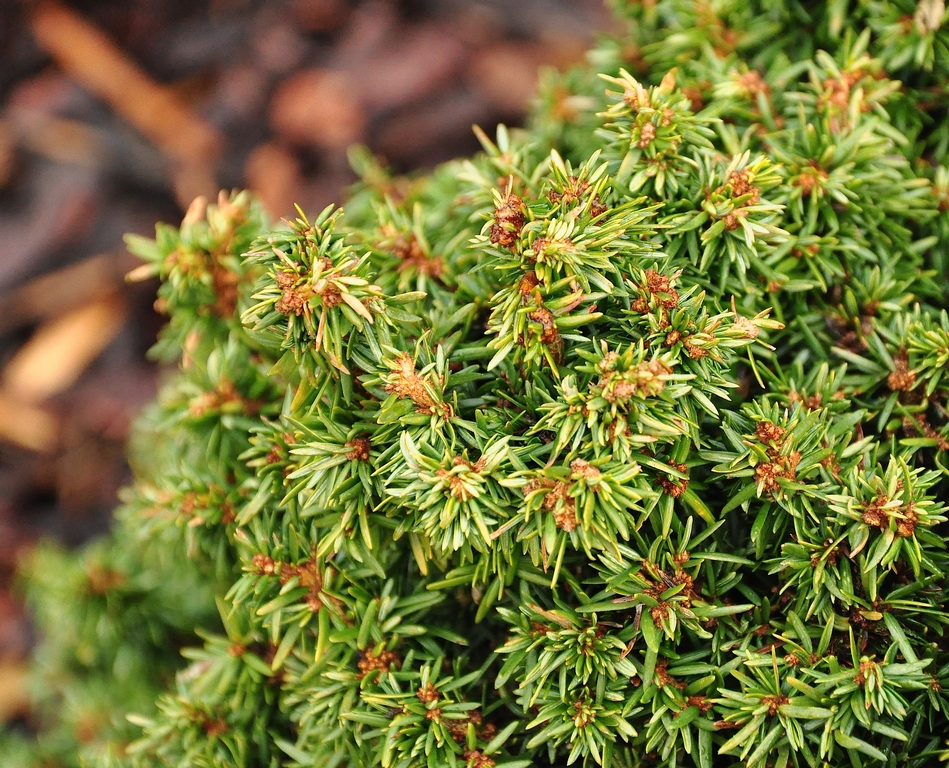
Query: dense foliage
x=623, y=443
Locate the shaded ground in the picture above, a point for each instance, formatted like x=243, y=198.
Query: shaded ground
x=114, y=115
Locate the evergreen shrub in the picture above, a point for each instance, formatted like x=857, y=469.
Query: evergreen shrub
x=622, y=443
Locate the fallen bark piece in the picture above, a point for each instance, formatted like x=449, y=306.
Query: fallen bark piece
x=52, y=294
x=61, y=350
x=319, y=107
x=27, y=426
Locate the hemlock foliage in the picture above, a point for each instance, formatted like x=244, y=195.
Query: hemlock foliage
x=622, y=443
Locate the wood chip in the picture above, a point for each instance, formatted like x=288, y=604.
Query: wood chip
x=27, y=426
x=278, y=49
x=61, y=140
x=319, y=15
x=60, y=351
x=370, y=27
x=54, y=293
x=320, y=107
x=6, y=152
x=506, y=73
x=411, y=68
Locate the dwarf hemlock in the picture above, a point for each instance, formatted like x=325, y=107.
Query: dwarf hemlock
x=623, y=443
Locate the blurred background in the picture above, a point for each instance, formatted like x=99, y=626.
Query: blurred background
x=116, y=114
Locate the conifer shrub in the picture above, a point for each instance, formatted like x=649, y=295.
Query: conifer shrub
x=623, y=443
